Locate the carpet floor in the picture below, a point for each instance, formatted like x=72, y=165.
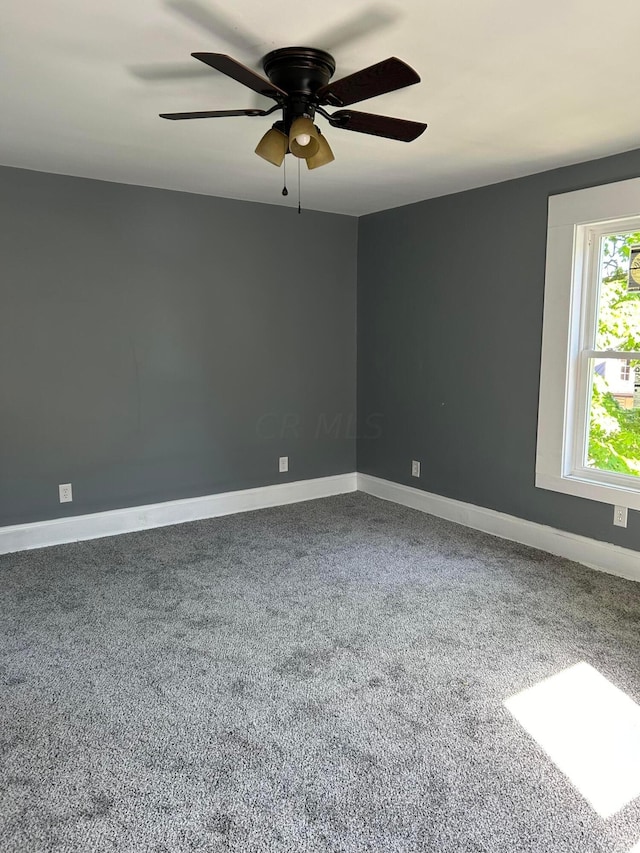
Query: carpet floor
x=327, y=676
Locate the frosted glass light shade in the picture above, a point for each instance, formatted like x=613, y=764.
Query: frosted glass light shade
x=273, y=146
x=325, y=154
x=303, y=128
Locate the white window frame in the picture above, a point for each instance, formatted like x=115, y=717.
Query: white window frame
x=577, y=220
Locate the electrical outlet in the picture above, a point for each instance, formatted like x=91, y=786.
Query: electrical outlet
x=620, y=516
x=65, y=493
x=283, y=465
x=415, y=468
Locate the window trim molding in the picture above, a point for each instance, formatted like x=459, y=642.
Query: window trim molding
x=563, y=307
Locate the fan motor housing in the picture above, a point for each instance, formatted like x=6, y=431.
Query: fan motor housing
x=299, y=71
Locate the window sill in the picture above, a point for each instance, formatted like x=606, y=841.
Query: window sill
x=616, y=495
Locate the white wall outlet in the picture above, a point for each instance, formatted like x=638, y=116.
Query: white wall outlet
x=66, y=495
x=415, y=468
x=283, y=465
x=620, y=516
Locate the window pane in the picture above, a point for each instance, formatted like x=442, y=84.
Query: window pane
x=614, y=416
x=618, y=317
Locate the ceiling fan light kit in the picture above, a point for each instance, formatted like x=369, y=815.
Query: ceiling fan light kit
x=299, y=81
x=303, y=138
x=325, y=154
x=274, y=145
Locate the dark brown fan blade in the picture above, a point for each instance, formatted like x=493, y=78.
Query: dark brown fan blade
x=214, y=114
x=238, y=71
x=391, y=128
x=386, y=76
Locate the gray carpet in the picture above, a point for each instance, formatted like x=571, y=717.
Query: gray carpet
x=328, y=676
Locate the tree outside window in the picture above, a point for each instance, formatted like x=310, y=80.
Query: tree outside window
x=614, y=422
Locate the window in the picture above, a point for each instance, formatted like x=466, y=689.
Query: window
x=589, y=416
x=625, y=370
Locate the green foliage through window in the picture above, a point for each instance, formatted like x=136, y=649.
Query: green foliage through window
x=614, y=431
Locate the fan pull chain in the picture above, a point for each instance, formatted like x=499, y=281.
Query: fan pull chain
x=285, y=191
x=299, y=208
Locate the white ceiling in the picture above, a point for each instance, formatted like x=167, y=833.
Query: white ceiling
x=508, y=88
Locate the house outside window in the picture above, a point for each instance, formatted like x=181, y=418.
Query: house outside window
x=589, y=415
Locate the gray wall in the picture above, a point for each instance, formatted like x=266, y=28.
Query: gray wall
x=157, y=345
x=450, y=296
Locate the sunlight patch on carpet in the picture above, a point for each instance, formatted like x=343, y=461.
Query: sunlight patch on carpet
x=590, y=730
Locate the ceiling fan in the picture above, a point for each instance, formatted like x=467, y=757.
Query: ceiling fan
x=299, y=81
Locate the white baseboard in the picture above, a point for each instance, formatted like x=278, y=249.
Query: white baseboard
x=22, y=537
x=590, y=552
